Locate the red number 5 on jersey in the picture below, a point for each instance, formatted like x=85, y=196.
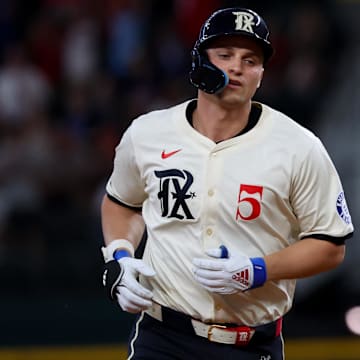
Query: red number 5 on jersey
x=249, y=206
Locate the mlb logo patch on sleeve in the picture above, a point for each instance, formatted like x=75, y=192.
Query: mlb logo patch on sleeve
x=342, y=208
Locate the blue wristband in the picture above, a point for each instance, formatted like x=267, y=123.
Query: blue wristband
x=259, y=272
x=120, y=253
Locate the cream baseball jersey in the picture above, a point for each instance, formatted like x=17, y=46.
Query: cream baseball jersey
x=256, y=193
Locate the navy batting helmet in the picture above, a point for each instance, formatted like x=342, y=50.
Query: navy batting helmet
x=231, y=21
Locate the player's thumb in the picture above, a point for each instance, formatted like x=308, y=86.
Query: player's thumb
x=144, y=269
x=221, y=252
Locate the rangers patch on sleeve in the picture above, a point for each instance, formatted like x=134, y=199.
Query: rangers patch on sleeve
x=342, y=208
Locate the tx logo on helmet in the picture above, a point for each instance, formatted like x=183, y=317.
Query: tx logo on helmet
x=244, y=21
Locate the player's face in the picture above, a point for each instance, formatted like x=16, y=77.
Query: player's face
x=242, y=59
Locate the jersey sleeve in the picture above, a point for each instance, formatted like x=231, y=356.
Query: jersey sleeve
x=125, y=183
x=317, y=196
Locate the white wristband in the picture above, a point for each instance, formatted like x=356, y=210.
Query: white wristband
x=108, y=251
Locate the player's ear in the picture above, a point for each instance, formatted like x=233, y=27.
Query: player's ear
x=261, y=77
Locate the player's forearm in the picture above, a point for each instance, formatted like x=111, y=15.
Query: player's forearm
x=119, y=222
x=304, y=258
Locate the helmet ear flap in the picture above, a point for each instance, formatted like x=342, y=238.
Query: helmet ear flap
x=204, y=75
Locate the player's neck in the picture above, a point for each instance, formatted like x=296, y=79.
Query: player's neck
x=220, y=123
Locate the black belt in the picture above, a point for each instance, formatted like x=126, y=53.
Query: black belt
x=221, y=333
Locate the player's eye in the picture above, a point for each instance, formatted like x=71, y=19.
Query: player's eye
x=250, y=61
x=224, y=55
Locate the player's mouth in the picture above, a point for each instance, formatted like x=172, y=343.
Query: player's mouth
x=234, y=83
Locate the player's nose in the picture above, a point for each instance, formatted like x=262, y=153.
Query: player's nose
x=236, y=66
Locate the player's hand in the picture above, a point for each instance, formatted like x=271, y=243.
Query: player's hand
x=229, y=275
x=121, y=282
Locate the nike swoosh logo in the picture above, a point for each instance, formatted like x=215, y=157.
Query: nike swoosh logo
x=165, y=155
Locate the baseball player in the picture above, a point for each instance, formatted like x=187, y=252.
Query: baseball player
x=238, y=201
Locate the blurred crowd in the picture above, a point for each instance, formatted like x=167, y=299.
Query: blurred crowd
x=74, y=73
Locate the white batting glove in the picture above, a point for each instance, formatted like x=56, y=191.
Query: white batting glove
x=229, y=275
x=120, y=277
x=131, y=295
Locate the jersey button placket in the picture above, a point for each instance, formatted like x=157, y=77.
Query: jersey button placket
x=213, y=173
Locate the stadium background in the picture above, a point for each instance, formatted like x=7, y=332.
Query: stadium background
x=73, y=73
